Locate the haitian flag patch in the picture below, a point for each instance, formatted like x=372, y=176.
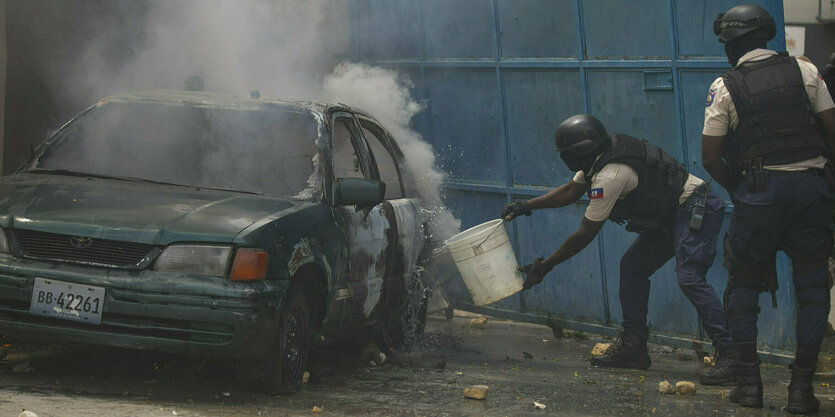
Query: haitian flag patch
x=710, y=96
x=595, y=193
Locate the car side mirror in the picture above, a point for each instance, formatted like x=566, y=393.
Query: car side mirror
x=358, y=192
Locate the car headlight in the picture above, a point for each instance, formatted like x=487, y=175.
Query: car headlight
x=4, y=243
x=195, y=259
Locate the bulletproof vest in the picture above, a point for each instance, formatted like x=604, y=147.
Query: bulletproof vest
x=651, y=206
x=776, y=121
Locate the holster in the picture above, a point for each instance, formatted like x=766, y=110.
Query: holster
x=829, y=175
x=755, y=176
x=765, y=272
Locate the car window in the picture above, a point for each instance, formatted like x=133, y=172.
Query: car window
x=385, y=161
x=270, y=150
x=346, y=161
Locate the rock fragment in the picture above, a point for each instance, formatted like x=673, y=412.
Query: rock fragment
x=685, y=388
x=317, y=410
x=476, y=392
x=27, y=413
x=666, y=388
x=478, y=322
x=601, y=349
x=538, y=406
x=710, y=361
x=305, y=377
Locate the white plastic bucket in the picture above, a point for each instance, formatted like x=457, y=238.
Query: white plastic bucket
x=486, y=261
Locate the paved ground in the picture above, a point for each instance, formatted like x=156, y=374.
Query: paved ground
x=521, y=363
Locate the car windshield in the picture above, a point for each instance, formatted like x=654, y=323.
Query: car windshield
x=269, y=150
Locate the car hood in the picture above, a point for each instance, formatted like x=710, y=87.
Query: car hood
x=126, y=210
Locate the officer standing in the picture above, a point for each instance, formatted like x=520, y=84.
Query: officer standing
x=762, y=142
x=675, y=214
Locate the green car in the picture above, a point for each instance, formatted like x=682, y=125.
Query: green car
x=217, y=226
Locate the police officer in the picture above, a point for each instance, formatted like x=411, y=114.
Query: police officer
x=762, y=142
x=632, y=181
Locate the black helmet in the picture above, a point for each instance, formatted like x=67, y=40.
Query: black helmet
x=742, y=19
x=580, y=134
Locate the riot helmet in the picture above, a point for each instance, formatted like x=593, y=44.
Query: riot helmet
x=743, y=19
x=579, y=139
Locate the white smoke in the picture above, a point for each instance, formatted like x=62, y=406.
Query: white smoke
x=384, y=94
x=290, y=49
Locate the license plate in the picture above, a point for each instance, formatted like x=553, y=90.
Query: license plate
x=66, y=300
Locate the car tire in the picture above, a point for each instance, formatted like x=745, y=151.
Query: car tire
x=405, y=333
x=282, y=371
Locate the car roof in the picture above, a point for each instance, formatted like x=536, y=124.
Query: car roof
x=218, y=100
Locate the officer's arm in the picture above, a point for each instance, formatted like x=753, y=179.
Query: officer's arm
x=712, y=149
x=559, y=197
x=826, y=119
x=575, y=243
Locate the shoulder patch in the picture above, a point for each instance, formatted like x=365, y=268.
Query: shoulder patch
x=710, y=96
x=595, y=193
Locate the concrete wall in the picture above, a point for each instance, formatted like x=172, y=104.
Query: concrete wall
x=806, y=11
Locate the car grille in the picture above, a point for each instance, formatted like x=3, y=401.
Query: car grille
x=60, y=247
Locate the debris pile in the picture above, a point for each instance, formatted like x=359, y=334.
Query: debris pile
x=681, y=388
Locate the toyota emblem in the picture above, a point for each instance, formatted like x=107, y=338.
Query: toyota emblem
x=81, y=242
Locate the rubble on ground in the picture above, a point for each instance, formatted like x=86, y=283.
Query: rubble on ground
x=373, y=355
x=476, y=392
x=478, y=322
x=666, y=388
x=685, y=388
x=710, y=361
x=601, y=349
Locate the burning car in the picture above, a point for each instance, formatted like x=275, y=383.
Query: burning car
x=206, y=224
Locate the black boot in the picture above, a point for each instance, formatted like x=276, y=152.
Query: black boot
x=723, y=373
x=630, y=352
x=801, y=395
x=749, y=390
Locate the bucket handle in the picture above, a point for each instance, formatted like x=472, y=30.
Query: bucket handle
x=496, y=227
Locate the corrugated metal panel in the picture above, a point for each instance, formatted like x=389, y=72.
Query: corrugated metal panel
x=500, y=75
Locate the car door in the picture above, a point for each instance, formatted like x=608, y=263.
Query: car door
x=402, y=211
x=366, y=229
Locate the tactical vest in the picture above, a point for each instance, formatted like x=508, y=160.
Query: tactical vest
x=651, y=206
x=776, y=121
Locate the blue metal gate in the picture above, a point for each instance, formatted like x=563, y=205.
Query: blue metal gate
x=500, y=75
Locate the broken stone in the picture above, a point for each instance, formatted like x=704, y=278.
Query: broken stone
x=478, y=322
x=710, y=361
x=305, y=377
x=538, y=406
x=666, y=388
x=317, y=410
x=476, y=392
x=601, y=349
x=27, y=413
x=685, y=388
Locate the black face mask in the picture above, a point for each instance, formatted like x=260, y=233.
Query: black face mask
x=742, y=45
x=578, y=162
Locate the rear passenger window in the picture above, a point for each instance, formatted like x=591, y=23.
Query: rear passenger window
x=386, y=163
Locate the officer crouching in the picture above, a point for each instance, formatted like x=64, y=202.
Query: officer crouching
x=674, y=213
x=762, y=141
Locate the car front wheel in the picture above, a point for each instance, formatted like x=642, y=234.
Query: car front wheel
x=282, y=371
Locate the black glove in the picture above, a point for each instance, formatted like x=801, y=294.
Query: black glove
x=515, y=209
x=534, y=273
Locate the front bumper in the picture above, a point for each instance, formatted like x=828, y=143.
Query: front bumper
x=177, y=313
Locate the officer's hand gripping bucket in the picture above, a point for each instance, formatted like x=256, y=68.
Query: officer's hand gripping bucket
x=486, y=261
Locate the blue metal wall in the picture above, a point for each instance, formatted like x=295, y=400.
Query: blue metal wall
x=499, y=76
